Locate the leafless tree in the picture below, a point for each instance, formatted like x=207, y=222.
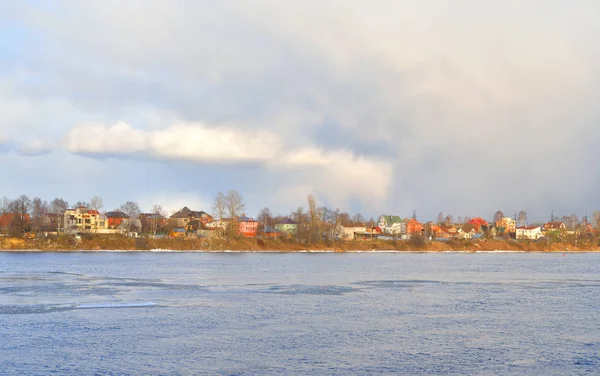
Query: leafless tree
x=132, y=210
x=158, y=213
x=440, y=218
x=313, y=216
x=498, y=216
x=596, y=215
x=358, y=219
x=522, y=217
x=219, y=206
x=58, y=207
x=414, y=216
x=20, y=210
x=81, y=204
x=39, y=211
x=234, y=207
x=448, y=221
x=96, y=203
x=265, y=218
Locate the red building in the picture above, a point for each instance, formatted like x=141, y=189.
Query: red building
x=247, y=227
x=115, y=218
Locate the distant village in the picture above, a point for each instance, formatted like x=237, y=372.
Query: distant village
x=37, y=218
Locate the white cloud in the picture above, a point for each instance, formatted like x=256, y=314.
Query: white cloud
x=192, y=142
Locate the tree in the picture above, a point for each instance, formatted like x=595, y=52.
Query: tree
x=58, y=207
x=311, y=200
x=358, y=220
x=498, y=216
x=81, y=204
x=300, y=217
x=596, y=215
x=448, y=221
x=39, y=212
x=522, y=217
x=234, y=207
x=19, y=209
x=219, y=206
x=158, y=213
x=414, y=216
x=96, y=203
x=459, y=220
x=440, y=218
x=132, y=210
x=265, y=218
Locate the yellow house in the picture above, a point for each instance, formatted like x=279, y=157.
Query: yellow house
x=82, y=219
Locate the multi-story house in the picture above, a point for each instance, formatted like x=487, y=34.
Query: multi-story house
x=392, y=224
x=247, y=227
x=529, y=232
x=288, y=226
x=82, y=219
x=185, y=215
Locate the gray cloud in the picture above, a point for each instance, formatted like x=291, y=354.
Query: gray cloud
x=469, y=106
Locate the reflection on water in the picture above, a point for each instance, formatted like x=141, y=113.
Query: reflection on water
x=248, y=314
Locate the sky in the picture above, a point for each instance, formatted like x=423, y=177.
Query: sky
x=463, y=107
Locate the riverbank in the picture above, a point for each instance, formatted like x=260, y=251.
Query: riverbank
x=109, y=243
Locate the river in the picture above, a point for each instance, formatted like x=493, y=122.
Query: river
x=299, y=313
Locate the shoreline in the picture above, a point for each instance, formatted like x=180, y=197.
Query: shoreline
x=254, y=245
x=381, y=251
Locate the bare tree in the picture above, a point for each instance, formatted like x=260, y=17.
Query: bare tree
x=596, y=215
x=498, y=216
x=81, y=204
x=414, y=216
x=132, y=210
x=440, y=218
x=39, y=211
x=358, y=219
x=58, y=207
x=522, y=217
x=311, y=201
x=158, y=213
x=219, y=206
x=265, y=218
x=448, y=221
x=234, y=207
x=19, y=209
x=96, y=203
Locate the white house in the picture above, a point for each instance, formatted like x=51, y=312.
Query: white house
x=529, y=232
x=392, y=224
x=349, y=232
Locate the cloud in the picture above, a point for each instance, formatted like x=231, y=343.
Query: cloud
x=430, y=105
x=191, y=142
x=35, y=147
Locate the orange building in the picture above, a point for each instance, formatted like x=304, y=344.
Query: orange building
x=413, y=226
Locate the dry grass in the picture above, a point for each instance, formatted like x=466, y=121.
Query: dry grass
x=114, y=242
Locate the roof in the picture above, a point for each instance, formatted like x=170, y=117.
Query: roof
x=527, y=227
x=391, y=219
x=245, y=219
x=186, y=212
x=287, y=221
x=116, y=214
x=556, y=225
x=178, y=229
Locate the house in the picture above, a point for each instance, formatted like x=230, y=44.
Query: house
x=270, y=232
x=529, y=232
x=508, y=224
x=414, y=227
x=183, y=216
x=115, y=218
x=288, y=226
x=82, y=219
x=177, y=232
x=392, y=224
x=477, y=223
x=447, y=232
x=555, y=226
x=352, y=232
x=247, y=227
x=193, y=225
x=218, y=224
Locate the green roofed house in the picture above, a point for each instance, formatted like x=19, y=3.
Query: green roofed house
x=392, y=224
x=288, y=226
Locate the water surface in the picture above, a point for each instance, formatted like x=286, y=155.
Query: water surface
x=317, y=314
